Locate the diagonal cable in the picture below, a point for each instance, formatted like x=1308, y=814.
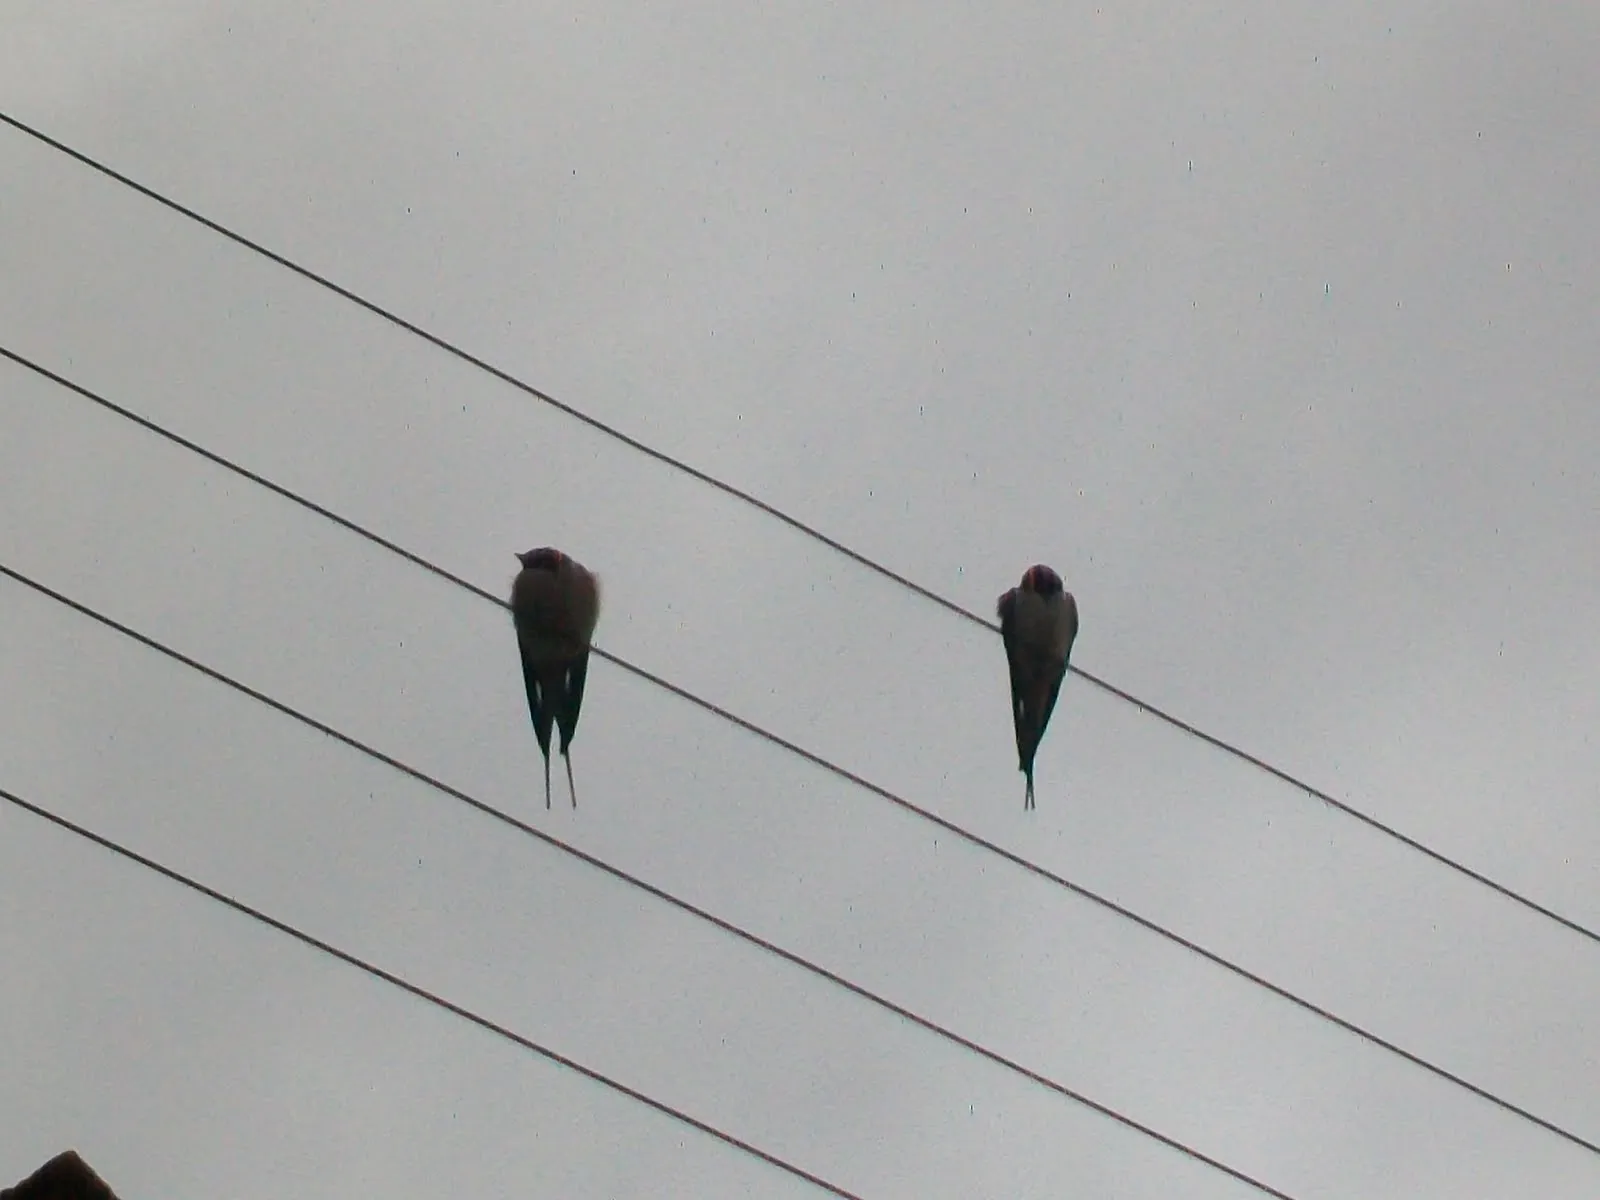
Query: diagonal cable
x=733, y=718
x=795, y=523
x=634, y=881
x=788, y=956
x=423, y=993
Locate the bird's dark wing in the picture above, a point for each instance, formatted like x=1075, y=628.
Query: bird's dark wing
x=1056, y=673
x=539, y=709
x=1049, y=706
x=572, y=702
x=1021, y=721
x=1021, y=677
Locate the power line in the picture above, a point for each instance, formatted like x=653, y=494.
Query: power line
x=651, y=889
x=433, y=998
x=958, y=831
x=795, y=523
x=733, y=718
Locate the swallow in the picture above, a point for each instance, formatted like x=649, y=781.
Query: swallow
x=555, y=602
x=1038, y=623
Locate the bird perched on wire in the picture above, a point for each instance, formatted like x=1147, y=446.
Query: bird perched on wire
x=1038, y=622
x=555, y=602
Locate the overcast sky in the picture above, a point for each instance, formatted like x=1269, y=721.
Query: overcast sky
x=1272, y=326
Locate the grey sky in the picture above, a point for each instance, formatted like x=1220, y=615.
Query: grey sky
x=1272, y=327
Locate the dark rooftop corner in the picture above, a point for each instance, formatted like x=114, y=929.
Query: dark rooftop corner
x=64, y=1177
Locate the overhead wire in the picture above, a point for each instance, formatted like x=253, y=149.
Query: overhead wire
x=634, y=881
x=795, y=523
x=751, y=727
x=422, y=993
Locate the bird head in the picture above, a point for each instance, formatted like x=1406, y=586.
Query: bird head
x=546, y=558
x=1041, y=580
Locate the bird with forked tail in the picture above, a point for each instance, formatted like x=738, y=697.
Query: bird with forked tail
x=555, y=603
x=1038, y=623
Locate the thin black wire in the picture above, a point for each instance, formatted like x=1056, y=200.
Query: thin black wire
x=734, y=719
x=799, y=751
x=794, y=523
x=651, y=889
x=423, y=993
